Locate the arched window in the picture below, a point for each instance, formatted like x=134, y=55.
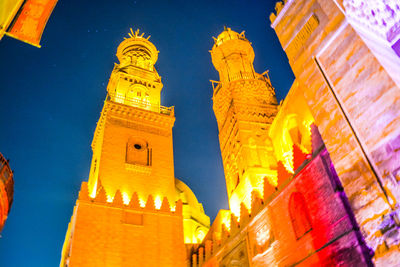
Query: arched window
x=294, y=130
x=299, y=215
x=138, y=152
x=200, y=233
x=138, y=96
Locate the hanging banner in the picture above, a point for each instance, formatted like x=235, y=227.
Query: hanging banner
x=8, y=9
x=31, y=20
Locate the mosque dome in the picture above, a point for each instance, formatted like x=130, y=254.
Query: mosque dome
x=195, y=222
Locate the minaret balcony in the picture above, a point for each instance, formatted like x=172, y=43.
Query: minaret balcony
x=141, y=103
x=244, y=76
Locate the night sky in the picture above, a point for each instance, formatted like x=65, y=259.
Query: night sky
x=51, y=98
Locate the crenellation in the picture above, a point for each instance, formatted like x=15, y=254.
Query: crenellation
x=224, y=234
x=150, y=204
x=201, y=256
x=165, y=205
x=194, y=260
x=244, y=215
x=101, y=195
x=256, y=203
x=117, y=199
x=84, y=192
x=234, y=224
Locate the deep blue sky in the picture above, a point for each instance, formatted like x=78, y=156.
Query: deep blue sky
x=51, y=98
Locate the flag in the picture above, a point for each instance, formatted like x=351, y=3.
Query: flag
x=31, y=20
x=8, y=9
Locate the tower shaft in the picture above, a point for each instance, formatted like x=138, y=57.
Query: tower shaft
x=126, y=214
x=244, y=104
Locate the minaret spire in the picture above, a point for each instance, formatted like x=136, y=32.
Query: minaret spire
x=244, y=104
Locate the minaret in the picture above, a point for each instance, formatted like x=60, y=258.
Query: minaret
x=244, y=104
x=132, y=144
x=126, y=215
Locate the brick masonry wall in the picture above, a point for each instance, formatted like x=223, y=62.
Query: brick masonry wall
x=356, y=106
x=332, y=231
x=333, y=240
x=113, y=172
x=104, y=236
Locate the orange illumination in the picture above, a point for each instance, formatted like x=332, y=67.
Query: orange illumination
x=125, y=198
x=157, y=202
x=234, y=205
x=142, y=203
x=226, y=220
x=262, y=235
x=247, y=157
x=288, y=161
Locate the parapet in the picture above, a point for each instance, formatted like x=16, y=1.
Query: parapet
x=134, y=204
x=279, y=7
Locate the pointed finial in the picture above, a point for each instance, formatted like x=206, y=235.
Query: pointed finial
x=136, y=34
x=131, y=34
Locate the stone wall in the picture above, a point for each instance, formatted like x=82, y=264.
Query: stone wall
x=103, y=233
x=267, y=236
x=355, y=104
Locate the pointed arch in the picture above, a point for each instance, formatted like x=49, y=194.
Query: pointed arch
x=138, y=151
x=299, y=215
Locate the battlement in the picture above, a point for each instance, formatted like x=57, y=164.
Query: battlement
x=134, y=203
x=227, y=225
x=280, y=8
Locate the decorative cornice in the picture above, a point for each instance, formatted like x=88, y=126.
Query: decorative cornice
x=155, y=122
x=125, y=111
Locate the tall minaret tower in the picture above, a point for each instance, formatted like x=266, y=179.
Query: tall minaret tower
x=132, y=143
x=126, y=214
x=244, y=104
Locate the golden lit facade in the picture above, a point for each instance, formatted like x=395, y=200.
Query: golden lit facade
x=133, y=210
x=134, y=134
x=335, y=138
x=245, y=105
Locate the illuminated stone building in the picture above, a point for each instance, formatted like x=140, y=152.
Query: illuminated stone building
x=315, y=180
x=6, y=190
x=133, y=211
x=312, y=181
